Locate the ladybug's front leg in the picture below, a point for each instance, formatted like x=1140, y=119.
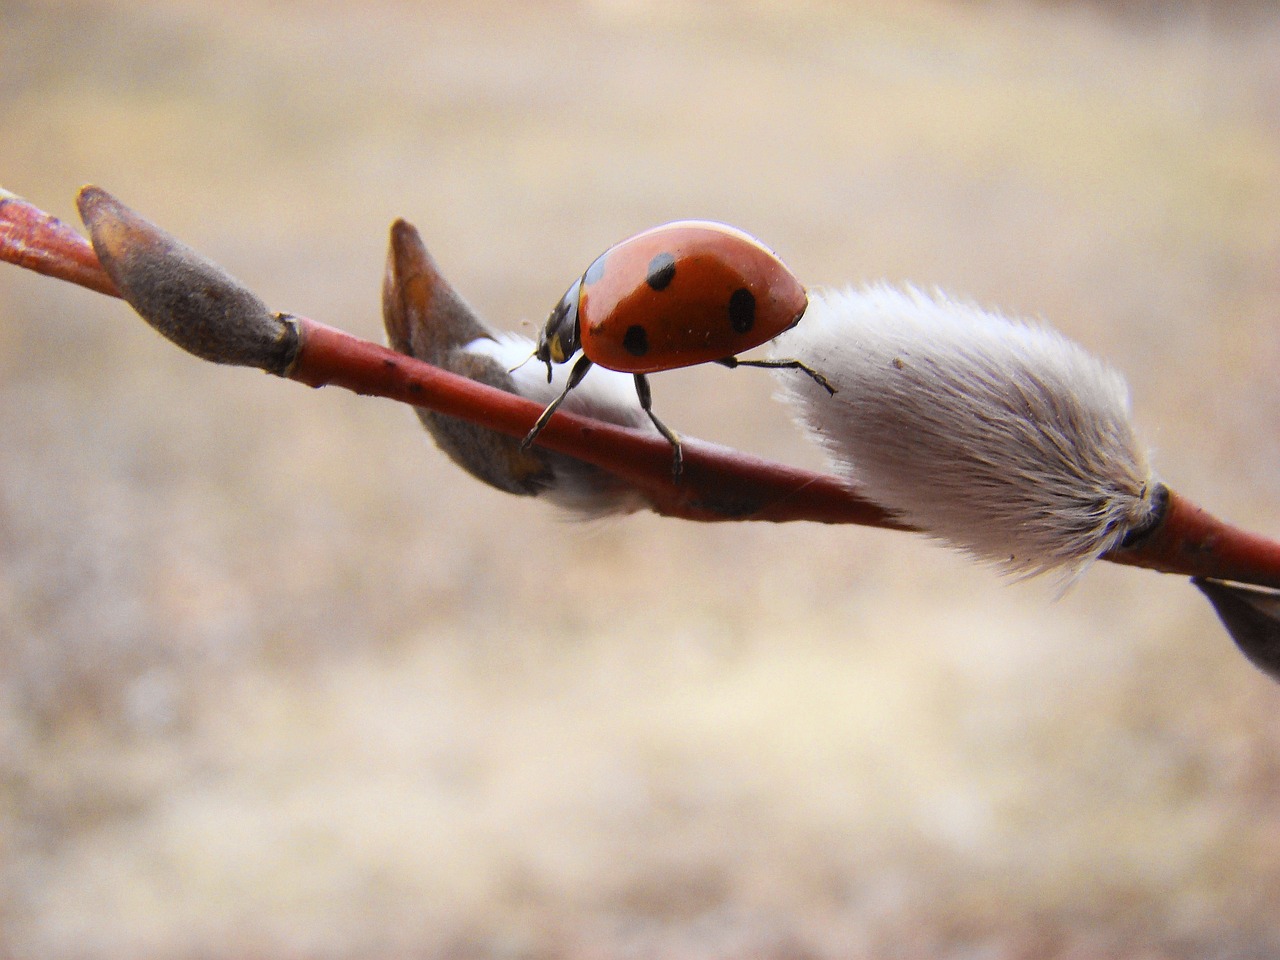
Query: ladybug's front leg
x=575, y=377
x=646, y=404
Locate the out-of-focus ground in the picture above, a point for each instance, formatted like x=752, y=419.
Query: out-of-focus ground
x=278, y=681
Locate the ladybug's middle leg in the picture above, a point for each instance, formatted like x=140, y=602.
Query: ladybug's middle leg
x=646, y=404
x=575, y=377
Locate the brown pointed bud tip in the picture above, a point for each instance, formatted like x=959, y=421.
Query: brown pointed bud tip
x=1252, y=617
x=185, y=296
x=426, y=318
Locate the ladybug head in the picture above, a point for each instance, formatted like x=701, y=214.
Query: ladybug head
x=560, y=339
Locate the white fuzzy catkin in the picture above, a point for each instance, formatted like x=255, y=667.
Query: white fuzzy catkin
x=602, y=395
x=997, y=436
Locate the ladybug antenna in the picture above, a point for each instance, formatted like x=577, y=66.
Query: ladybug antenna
x=523, y=362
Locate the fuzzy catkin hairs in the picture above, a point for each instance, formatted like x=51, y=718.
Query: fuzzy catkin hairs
x=997, y=436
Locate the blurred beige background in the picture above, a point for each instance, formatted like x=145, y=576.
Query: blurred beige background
x=278, y=681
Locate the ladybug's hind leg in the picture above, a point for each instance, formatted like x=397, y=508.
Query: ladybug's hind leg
x=575, y=377
x=646, y=404
x=818, y=378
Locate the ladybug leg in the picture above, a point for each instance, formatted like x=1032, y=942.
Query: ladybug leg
x=575, y=377
x=646, y=404
x=818, y=378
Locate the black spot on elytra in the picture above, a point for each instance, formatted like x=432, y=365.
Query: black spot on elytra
x=742, y=310
x=636, y=340
x=595, y=271
x=662, y=270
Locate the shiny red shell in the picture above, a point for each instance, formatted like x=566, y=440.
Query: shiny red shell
x=684, y=293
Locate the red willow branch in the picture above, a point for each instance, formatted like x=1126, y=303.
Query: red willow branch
x=717, y=483
x=197, y=305
x=34, y=240
x=205, y=311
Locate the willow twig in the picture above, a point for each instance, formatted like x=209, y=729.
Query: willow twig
x=202, y=309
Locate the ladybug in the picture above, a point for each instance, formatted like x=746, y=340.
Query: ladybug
x=683, y=293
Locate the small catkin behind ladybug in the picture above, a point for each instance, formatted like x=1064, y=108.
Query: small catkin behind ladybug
x=683, y=293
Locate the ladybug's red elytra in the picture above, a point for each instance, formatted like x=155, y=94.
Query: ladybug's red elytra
x=683, y=293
